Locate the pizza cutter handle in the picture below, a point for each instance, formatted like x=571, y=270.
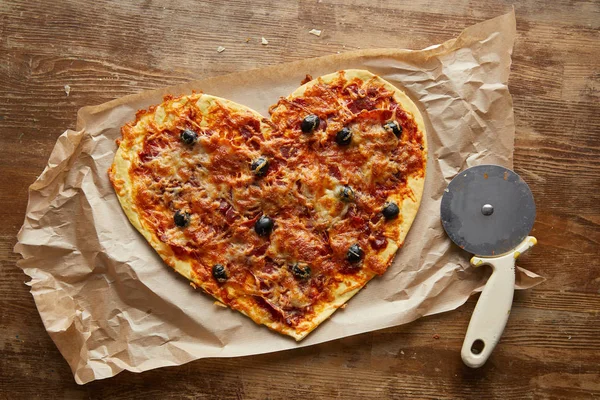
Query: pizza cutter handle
x=492, y=310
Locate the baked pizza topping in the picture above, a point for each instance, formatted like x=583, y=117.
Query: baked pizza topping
x=300, y=272
x=181, y=219
x=260, y=166
x=263, y=226
x=355, y=253
x=277, y=218
x=346, y=193
x=188, y=136
x=219, y=273
x=343, y=137
x=394, y=128
x=310, y=123
x=390, y=210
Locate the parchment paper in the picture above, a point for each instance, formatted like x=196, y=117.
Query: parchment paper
x=110, y=303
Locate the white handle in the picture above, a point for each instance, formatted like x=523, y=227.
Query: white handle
x=492, y=310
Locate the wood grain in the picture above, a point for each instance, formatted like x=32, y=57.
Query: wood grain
x=104, y=50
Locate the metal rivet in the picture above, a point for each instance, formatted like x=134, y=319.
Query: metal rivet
x=487, y=209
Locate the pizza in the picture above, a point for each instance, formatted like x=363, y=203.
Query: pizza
x=282, y=219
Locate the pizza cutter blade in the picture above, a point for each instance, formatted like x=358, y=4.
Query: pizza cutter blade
x=488, y=210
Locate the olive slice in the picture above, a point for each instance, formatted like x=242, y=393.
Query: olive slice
x=188, y=136
x=260, y=166
x=263, y=226
x=219, y=273
x=343, y=137
x=390, y=210
x=394, y=128
x=299, y=271
x=355, y=253
x=346, y=193
x=181, y=219
x=310, y=123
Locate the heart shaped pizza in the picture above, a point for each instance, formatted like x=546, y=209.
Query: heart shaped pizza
x=283, y=219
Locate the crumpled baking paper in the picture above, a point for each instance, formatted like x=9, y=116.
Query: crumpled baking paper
x=110, y=303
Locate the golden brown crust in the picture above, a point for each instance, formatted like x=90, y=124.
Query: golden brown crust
x=156, y=175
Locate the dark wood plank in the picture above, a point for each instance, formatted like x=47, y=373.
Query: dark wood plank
x=104, y=50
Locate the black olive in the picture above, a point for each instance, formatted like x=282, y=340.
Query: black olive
x=310, y=123
x=219, y=273
x=188, y=136
x=394, y=128
x=343, y=137
x=300, y=272
x=390, y=210
x=346, y=193
x=260, y=166
x=263, y=226
x=181, y=219
x=355, y=253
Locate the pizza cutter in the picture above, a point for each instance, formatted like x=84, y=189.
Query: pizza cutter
x=488, y=210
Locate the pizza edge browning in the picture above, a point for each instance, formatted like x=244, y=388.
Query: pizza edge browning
x=121, y=180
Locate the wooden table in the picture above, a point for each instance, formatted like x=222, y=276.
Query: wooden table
x=104, y=50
